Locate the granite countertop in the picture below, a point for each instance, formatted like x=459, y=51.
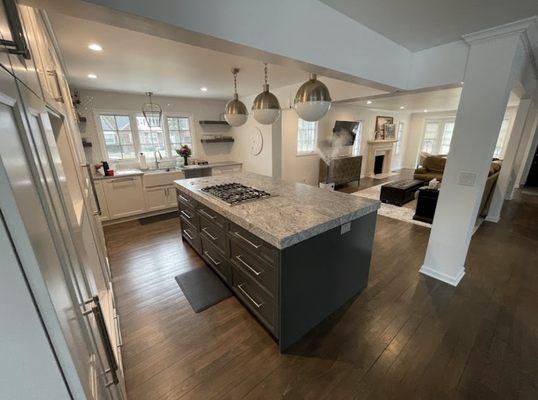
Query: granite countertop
x=295, y=211
x=135, y=171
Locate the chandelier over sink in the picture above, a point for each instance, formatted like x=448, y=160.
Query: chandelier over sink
x=152, y=112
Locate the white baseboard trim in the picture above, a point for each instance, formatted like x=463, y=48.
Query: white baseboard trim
x=493, y=218
x=451, y=280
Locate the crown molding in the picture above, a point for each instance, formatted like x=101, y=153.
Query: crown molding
x=516, y=27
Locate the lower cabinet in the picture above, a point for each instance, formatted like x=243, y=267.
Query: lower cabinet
x=124, y=196
x=156, y=198
x=245, y=263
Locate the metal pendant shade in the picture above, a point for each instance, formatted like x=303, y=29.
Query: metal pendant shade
x=152, y=112
x=235, y=112
x=266, y=108
x=312, y=100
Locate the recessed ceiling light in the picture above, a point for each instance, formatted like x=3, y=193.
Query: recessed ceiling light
x=425, y=110
x=461, y=83
x=92, y=76
x=402, y=107
x=203, y=89
x=95, y=47
x=369, y=102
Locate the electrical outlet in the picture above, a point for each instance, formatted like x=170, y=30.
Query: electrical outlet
x=466, y=178
x=345, y=228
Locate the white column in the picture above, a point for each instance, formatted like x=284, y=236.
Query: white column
x=488, y=82
x=507, y=175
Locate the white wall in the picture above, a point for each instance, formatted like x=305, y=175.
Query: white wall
x=414, y=135
x=197, y=109
x=305, y=168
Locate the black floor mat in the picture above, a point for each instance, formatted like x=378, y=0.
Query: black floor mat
x=202, y=288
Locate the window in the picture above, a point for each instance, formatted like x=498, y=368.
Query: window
x=399, y=136
x=123, y=141
x=437, y=136
x=179, y=132
x=357, y=142
x=306, y=137
x=502, y=139
x=117, y=136
x=151, y=139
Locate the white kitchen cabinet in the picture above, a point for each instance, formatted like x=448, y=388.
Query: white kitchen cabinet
x=156, y=198
x=124, y=196
x=171, y=199
x=225, y=169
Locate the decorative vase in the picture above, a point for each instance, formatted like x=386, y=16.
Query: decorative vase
x=186, y=160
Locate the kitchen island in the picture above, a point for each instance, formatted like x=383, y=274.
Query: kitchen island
x=292, y=258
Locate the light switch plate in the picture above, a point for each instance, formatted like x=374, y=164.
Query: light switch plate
x=466, y=178
x=345, y=228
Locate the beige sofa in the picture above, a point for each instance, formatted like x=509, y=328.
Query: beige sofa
x=432, y=167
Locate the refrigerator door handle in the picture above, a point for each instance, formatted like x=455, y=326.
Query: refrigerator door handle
x=90, y=177
x=105, y=338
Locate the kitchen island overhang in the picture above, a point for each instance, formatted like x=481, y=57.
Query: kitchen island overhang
x=292, y=258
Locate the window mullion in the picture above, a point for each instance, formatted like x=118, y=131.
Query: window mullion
x=134, y=132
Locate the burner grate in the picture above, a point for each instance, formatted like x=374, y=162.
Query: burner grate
x=235, y=193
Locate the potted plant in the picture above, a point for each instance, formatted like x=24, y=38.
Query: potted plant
x=185, y=152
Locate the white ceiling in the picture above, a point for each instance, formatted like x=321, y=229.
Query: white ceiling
x=437, y=100
x=421, y=24
x=137, y=62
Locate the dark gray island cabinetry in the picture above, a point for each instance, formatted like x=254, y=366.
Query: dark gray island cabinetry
x=292, y=258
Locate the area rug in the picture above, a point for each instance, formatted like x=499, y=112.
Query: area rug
x=202, y=288
x=403, y=213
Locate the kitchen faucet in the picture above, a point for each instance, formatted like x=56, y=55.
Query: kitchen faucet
x=157, y=162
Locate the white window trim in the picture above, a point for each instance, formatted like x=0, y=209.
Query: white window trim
x=307, y=153
x=441, y=121
x=134, y=131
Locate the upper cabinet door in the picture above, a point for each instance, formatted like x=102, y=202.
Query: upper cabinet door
x=17, y=38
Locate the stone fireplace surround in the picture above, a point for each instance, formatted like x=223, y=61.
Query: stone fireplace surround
x=376, y=148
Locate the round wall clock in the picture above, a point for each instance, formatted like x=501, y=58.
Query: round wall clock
x=256, y=142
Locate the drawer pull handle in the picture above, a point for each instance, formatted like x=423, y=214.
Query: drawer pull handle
x=211, y=258
x=257, y=273
x=256, y=246
x=240, y=286
x=209, y=234
x=186, y=214
x=183, y=198
x=188, y=234
x=204, y=212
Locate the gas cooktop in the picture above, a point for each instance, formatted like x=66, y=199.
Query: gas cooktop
x=235, y=193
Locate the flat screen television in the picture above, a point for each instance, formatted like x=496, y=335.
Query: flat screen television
x=344, y=133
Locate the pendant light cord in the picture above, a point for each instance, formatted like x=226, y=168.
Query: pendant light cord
x=265, y=72
x=235, y=82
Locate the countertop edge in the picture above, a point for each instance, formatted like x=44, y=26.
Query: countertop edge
x=289, y=240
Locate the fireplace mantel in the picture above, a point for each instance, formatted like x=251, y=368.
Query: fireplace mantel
x=379, y=147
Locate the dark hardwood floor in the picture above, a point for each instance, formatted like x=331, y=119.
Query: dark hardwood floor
x=406, y=336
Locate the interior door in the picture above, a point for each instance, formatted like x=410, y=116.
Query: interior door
x=75, y=229
x=532, y=178
x=31, y=215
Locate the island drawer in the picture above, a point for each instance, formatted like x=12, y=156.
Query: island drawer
x=189, y=215
x=191, y=234
x=185, y=199
x=253, y=243
x=259, y=271
x=214, y=234
x=255, y=298
x=212, y=216
x=216, y=260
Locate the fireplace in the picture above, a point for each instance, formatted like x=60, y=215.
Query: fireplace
x=379, y=157
x=378, y=164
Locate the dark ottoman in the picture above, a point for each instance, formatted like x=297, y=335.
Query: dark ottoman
x=400, y=192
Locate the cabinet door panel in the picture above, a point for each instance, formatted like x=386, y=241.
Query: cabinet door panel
x=124, y=196
x=156, y=198
x=102, y=200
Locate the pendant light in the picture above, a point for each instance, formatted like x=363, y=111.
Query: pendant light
x=266, y=108
x=235, y=112
x=312, y=100
x=152, y=112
